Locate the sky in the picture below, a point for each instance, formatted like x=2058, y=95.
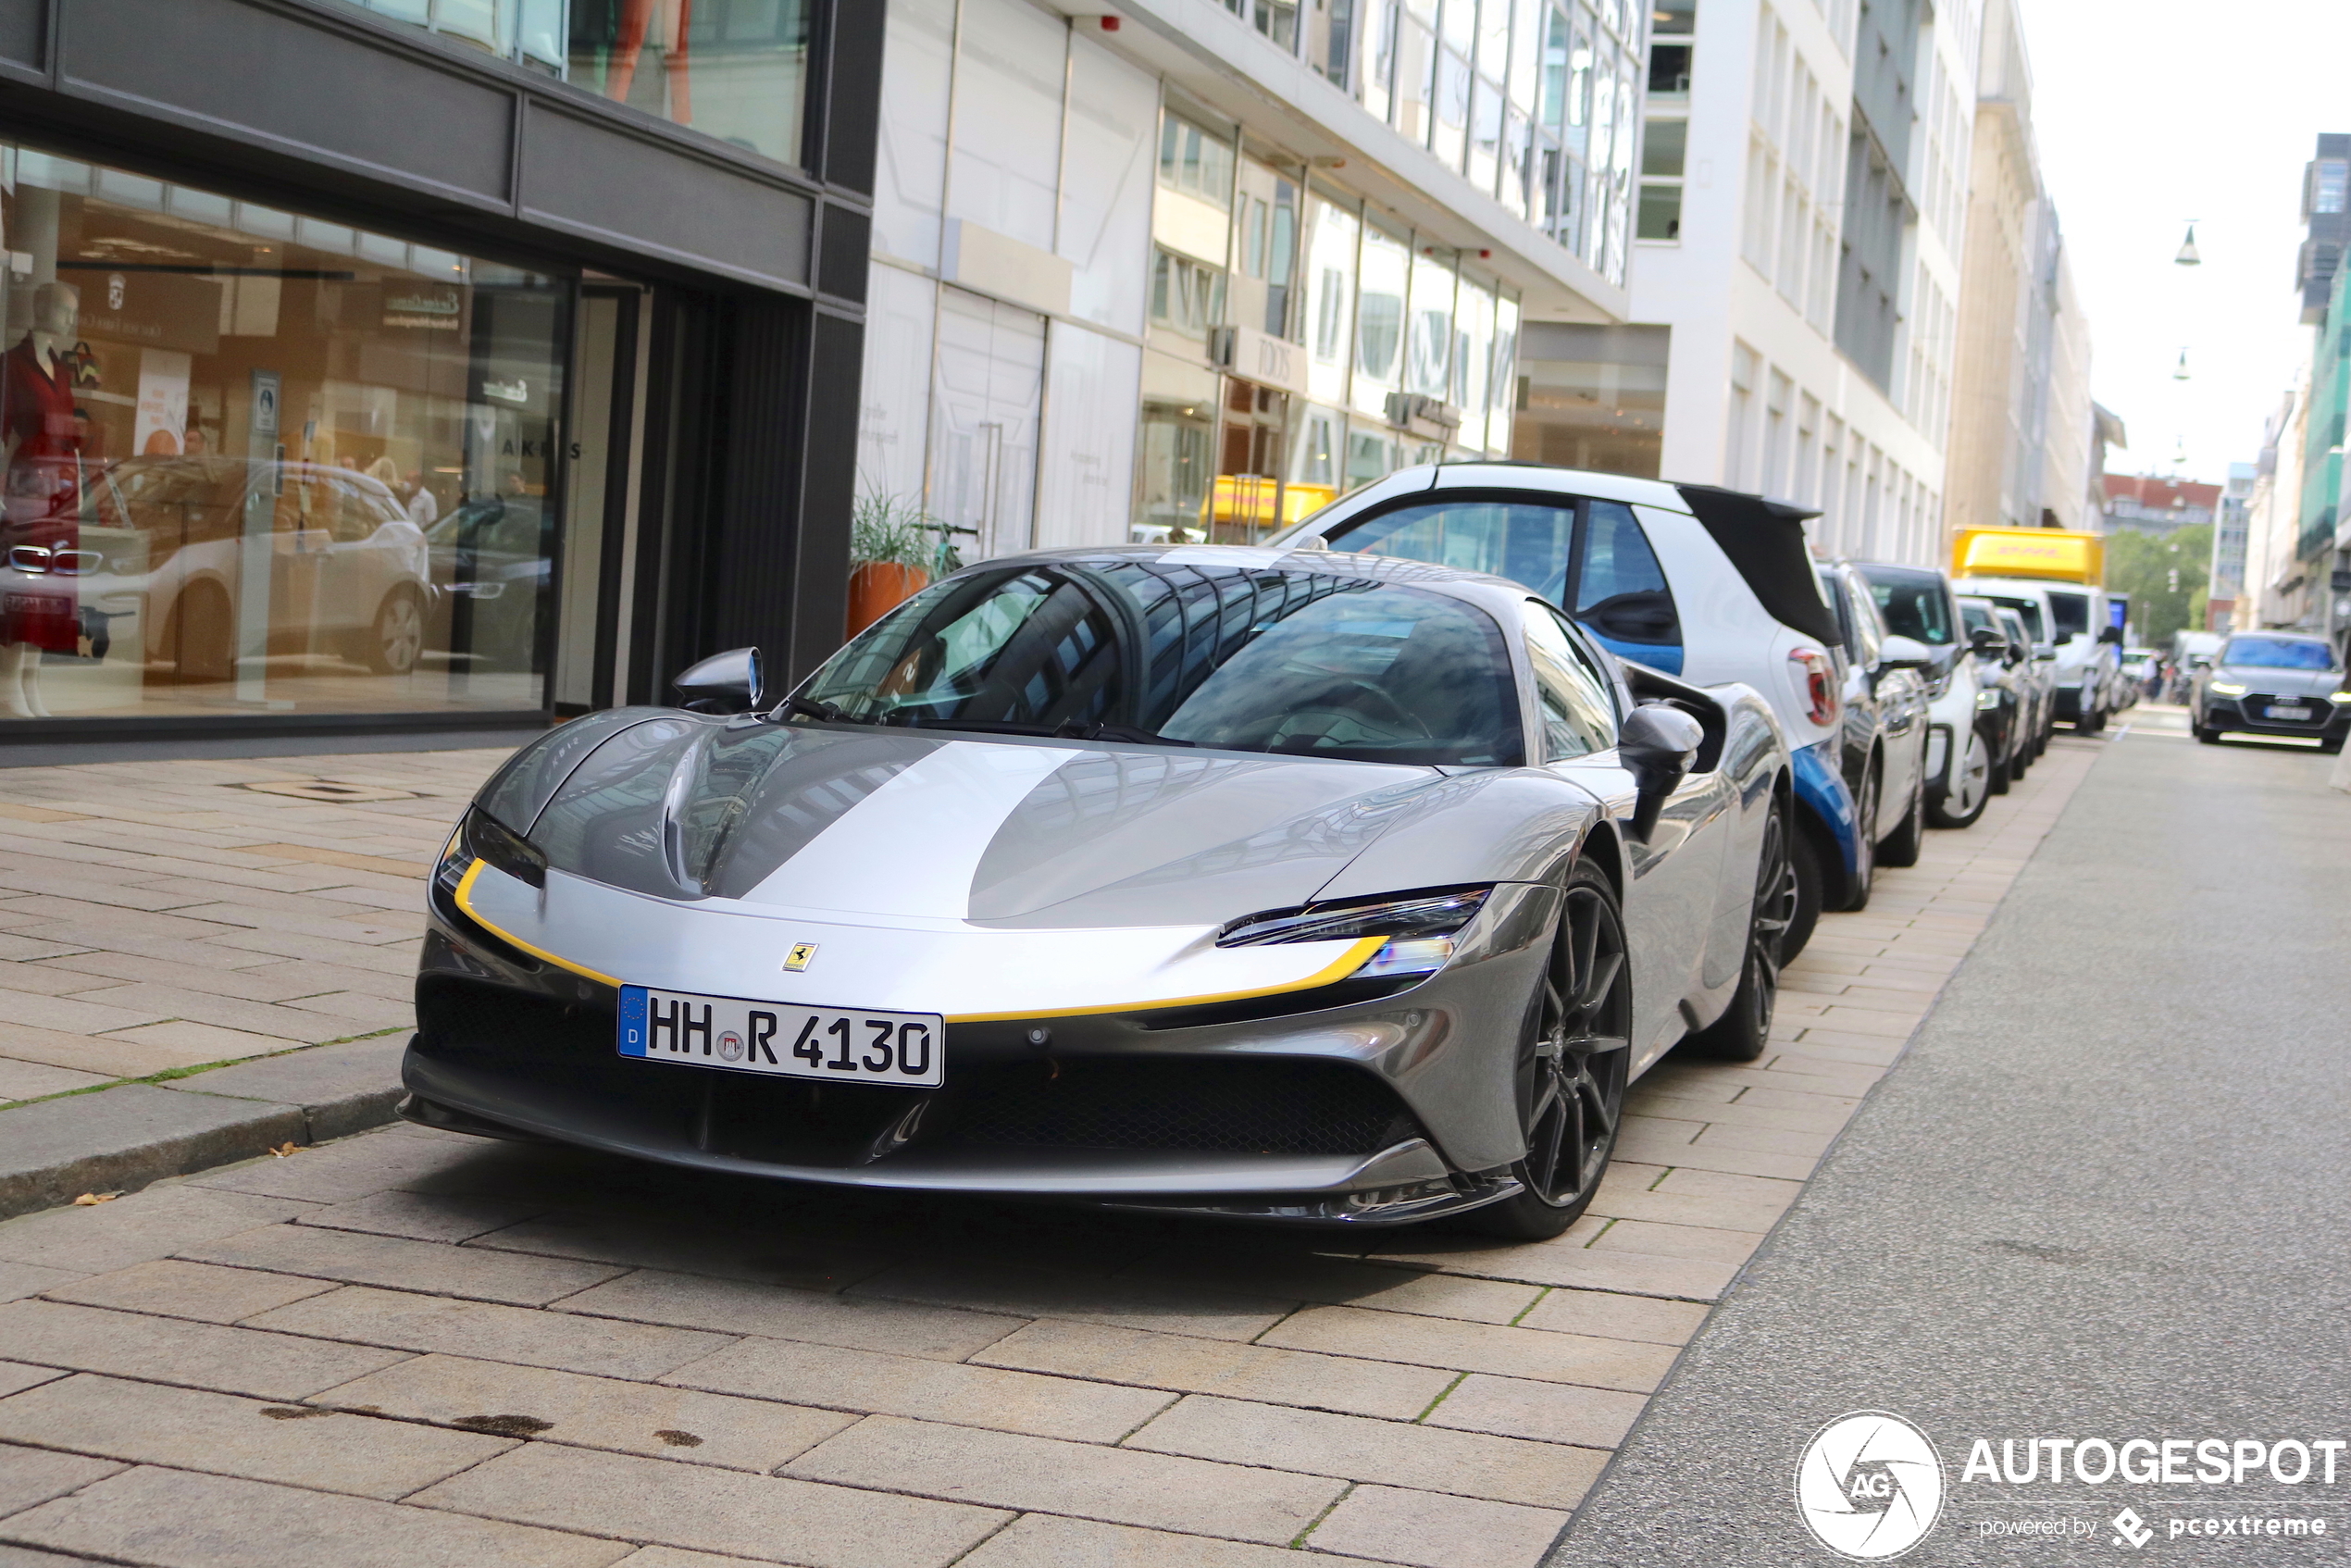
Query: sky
x=2149, y=113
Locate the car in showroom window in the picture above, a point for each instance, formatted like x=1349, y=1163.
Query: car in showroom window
x=1260, y=882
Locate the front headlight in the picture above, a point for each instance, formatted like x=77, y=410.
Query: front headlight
x=1420, y=928
x=1988, y=698
x=481, y=836
x=2227, y=689
x=2339, y=696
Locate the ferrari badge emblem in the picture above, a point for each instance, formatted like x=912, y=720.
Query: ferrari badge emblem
x=798, y=959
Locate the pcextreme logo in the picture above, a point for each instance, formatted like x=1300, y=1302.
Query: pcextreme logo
x=1869, y=1485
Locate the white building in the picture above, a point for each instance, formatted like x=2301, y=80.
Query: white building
x=1189, y=267
x=1796, y=276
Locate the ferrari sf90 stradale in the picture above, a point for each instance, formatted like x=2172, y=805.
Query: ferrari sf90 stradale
x=1270, y=883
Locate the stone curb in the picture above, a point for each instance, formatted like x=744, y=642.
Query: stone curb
x=121, y=1139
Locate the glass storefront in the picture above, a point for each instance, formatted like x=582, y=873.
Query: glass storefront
x=260, y=463
x=736, y=70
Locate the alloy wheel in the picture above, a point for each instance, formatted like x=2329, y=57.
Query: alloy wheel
x=1775, y=910
x=1571, y=1075
x=400, y=634
x=1975, y=775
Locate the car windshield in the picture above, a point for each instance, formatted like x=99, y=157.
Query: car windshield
x=2277, y=652
x=2027, y=612
x=2072, y=612
x=1290, y=661
x=1913, y=603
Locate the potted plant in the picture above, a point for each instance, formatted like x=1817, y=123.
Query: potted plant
x=891, y=549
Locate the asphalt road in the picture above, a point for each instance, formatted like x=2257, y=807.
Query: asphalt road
x=2102, y=1196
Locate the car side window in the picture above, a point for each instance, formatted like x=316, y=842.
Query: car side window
x=1579, y=716
x=1621, y=591
x=1869, y=632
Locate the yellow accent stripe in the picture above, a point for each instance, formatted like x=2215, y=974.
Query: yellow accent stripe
x=1358, y=953
x=464, y=902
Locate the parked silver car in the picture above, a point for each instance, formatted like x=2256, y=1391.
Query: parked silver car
x=1288, y=884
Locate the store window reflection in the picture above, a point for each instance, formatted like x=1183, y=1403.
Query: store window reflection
x=258, y=463
x=736, y=70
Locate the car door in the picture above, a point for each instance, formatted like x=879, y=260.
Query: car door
x=1675, y=871
x=1900, y=696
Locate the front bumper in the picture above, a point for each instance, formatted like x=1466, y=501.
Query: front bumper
x=1309, y=1106
x=2249, y=714
x=1821, y=789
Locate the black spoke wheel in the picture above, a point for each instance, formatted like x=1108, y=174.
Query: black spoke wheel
x=1741, y=1032
x=1573, y=1058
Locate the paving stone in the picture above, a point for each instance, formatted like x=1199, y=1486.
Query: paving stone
x=173, y=1519
x=1431, y=1530
x=969, y=1395
x=1671, y=1208
x=1358, y=1448
x=660, y=1242
x=17, y=1377
x=1553, y=1412
x=221, y=1433
x=491, y=1331
x=1172, y=1308
x=756, y=1434
x=52, y=1151
x=114, y=1058
x=736, y=1307
x=29, y=1477
x=30, y=1080
x=341, y=1088
x=1610, y=1316
x=1122, y=1485
x=397, y=1261
x=1477, y=1346
x=671, y=1557
x=1042, y=1540
x=151, y=1224
x=423, y=1217
x=169, y=1287
x=1339, y=1282
x=205, y=1043
x=706, y=1509
x=200, y=1355
x=19, y=1281
x=1725, y=1184
x=1212, y=1366
x=1678, y=1241
x=357, y=1167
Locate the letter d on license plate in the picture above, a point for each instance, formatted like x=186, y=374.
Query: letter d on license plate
x=782, y=1039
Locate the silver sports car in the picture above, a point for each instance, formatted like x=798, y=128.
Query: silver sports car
x=1275, y=883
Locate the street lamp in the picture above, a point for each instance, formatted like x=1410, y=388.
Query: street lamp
x=2187, y=256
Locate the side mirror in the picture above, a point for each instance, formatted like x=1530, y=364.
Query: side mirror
x=2044, y=655
x=2062, y=638
x=724, y=683
x=1985, y=640
x=1657, y=743
x=1898, y=651
x=2113, y=634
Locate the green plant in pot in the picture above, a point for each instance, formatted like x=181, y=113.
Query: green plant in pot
x=893, y=545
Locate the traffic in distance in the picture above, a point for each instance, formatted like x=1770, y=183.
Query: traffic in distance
x=1345, y=878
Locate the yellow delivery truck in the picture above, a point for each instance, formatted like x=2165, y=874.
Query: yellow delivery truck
x=2053, y=577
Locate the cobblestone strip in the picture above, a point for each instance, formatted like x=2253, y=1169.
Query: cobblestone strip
x=405, y=1346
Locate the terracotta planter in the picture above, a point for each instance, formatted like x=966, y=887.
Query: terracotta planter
x=878, y=586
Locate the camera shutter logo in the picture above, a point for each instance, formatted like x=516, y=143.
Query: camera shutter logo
x=1869, y=1485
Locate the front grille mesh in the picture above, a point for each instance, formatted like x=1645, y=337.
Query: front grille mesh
x=1203, y=1104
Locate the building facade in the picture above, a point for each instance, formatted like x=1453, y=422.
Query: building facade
x=1189, y=270
x=2155, y=504
x=2226, y=578
x=421, y=362
x=1797, y=269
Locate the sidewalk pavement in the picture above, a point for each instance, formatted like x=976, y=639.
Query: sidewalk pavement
x=159, y=919
x=519, y=1353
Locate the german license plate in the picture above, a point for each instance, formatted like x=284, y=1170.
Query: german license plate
x=831, y=1044
x=2288, y=710
x=34, y=604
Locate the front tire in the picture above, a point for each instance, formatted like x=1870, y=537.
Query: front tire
x=1742, y=1033
x=1902, y=846
x=1997, y=781
x=398, y=635
x=1961, y=803
x=1865, y=836
x=1574, y=1056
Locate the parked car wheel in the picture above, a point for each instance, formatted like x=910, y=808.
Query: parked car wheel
x=2209, y=735
x=1572, y=1062
x=1902, y=846
x=2332, y=747
x=1961, y=803
x=1741, y=1032
x=398, y=634
x=198, y=635
x=2003, y=758
x=1865, y=810
x=1804, y=859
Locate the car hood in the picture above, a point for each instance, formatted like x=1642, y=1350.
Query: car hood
x=1012, y=832
x=2280, y=682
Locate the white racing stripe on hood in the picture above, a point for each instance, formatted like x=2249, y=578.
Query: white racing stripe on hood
x=911, y=846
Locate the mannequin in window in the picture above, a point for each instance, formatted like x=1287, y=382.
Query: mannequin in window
x=42, y=439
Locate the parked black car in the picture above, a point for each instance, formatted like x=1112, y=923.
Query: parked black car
x=1883, y=745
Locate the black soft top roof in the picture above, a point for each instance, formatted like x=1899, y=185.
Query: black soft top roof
x=1764, y=540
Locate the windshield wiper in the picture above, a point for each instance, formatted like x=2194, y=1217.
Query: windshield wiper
x=1118, y=732
x=813, y=707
